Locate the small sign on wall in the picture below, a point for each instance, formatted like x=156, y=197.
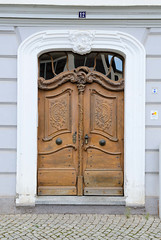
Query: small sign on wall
x=82, y=14
x=154, y=90
x=154, y=114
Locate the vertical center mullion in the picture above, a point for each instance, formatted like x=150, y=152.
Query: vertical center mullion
x=80, y=142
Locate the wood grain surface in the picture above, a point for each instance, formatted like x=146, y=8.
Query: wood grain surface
x=72, y=105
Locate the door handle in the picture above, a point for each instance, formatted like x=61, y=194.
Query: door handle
x=86, y=139
x=102, y=142
x=58, y=141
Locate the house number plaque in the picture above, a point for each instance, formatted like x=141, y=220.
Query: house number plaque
x=82, y=14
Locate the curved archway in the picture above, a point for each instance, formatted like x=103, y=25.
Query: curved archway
x=81, y=42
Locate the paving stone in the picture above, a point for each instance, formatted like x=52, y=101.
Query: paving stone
x=78, y=226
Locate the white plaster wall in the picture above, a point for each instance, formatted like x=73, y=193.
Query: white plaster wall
x=85, y=3
x=25, y=32
x=8, y=114
x=152, y=164
x=8, y=90
x=153, y=67
x=7, y=184
x=8, y=110
x=153, y=102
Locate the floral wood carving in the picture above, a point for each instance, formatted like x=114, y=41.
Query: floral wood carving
x=103, y=115
x=81, y=41
x=57, y=115
x=81, y=76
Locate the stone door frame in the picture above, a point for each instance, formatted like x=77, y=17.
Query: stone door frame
x=81, y=42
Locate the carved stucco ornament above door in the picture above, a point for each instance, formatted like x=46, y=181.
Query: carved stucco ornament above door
x=81, y=41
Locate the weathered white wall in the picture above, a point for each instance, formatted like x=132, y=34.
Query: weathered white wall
x=8, y=110
x=11, y=37
x=84, y=2
x=153, y=102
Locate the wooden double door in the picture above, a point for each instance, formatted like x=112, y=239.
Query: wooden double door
x=80, y=134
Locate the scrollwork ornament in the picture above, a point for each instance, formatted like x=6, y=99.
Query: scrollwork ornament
x=81, y=87
x=81, y=41
x=81, y=76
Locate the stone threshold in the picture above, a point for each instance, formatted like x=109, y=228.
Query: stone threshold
x=81, y=200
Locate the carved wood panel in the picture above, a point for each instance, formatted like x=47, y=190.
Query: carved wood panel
x=58, y=113
x=71, y=105
x=103, y=114
x=57, y=153
x=103, y=164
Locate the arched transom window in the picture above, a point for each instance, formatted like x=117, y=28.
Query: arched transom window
x=108, y=63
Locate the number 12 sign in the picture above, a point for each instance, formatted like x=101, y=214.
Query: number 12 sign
x=82, y=14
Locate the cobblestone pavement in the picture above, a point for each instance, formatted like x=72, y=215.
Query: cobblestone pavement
x=79, y=226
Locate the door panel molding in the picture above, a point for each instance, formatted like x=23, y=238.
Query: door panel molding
x=94, y=147
x=106, y=109
x=66, y=146
x=57, y=162
x=134, y=54
x=58, y=122
x=104, y=116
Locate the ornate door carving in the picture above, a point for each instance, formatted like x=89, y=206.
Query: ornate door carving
x=103, y=154
x=80, y=134
x=57, y=156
